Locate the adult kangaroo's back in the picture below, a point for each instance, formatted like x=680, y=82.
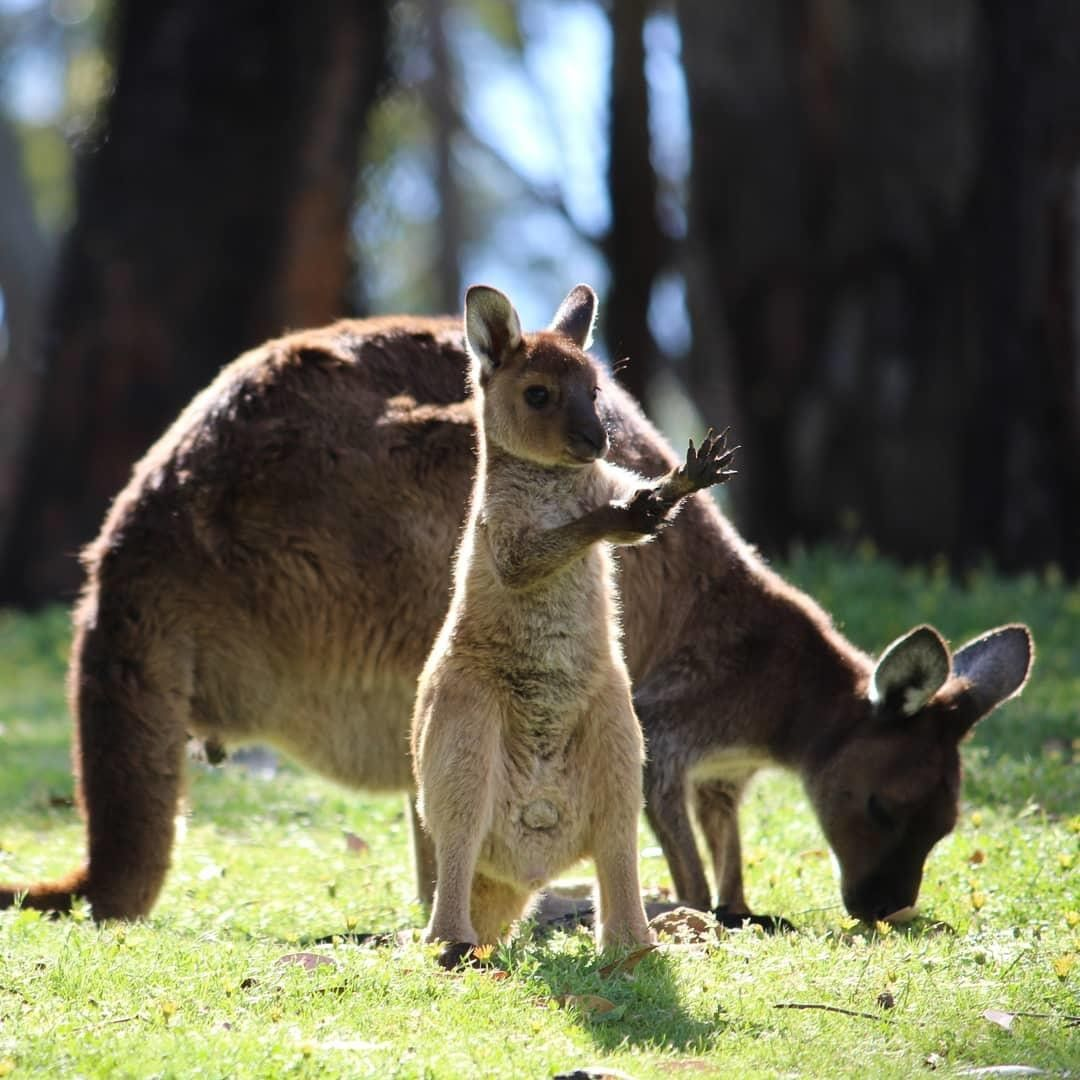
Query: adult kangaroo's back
x=279, y=565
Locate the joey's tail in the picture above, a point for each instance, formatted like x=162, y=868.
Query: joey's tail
x=127, y=699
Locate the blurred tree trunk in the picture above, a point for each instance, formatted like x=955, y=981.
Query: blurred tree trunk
x=635, y=246
x=212, y=212
x=1022, y=435
x=25, y=256
x=884, y=250
x=444, y=109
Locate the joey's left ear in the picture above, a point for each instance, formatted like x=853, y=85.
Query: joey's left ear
x=996, y=665
x=492, y=327
x=910, y=672
x=576, y=316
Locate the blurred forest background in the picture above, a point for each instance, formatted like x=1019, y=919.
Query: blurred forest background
x=851, y=228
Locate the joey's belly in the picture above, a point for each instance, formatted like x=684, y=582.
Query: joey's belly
x=538, y=830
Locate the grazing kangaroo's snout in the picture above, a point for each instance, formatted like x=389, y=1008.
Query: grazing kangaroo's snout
x=883, y=892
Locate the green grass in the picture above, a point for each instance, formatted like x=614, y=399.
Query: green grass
x=202, y=989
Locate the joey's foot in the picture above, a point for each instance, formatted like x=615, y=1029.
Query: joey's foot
x=457, y=954
x=708, y=464
x=771, y=924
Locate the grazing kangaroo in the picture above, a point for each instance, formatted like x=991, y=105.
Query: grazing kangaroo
x=525, y=745
x=278, y=567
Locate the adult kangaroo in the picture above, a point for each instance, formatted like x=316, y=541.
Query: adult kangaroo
x=279, y=566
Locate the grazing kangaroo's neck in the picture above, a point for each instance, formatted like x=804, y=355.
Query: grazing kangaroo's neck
x=785, y=682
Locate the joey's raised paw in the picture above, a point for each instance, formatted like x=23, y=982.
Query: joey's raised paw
x=644, y=514
x=458, y=954
x=708, y=464
x=771, y=924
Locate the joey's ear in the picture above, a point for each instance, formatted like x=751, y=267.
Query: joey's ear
x=911, y=670
x=492, y=327
x=996, y=664
x=576, y=316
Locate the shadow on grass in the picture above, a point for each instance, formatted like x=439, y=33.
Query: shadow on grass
x=615, y=1008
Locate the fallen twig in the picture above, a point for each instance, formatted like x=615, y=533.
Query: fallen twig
x=828, y=1008
x=1068, y=1021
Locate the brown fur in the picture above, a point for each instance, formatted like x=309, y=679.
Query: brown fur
x=279, y=566
x=526, y=748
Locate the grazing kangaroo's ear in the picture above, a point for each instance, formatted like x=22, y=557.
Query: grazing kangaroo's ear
x=576, y=316
x=911, y=670
x=997, y=666
x=492, y=327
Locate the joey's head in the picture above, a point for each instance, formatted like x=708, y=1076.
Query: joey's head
x=890, y=790
x=538, y=391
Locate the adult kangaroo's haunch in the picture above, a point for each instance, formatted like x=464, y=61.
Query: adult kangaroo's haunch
x=526, y=748
x=279, y=566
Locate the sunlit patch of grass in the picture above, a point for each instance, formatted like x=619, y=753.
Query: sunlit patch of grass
x=210, y=983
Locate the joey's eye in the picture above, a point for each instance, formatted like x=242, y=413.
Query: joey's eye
x=536, y=397
x=595, y=392
x=881, y=816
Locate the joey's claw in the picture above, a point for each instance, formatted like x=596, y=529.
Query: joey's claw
x=458, y=954
x=707, y=465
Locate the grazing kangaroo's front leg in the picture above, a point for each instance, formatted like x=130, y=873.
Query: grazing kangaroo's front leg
x=669, y=816
x=717, y=805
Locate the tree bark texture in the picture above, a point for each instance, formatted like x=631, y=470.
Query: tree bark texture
x=635, y=247
x=25, y=255
x=884, y=234
x=212, y=212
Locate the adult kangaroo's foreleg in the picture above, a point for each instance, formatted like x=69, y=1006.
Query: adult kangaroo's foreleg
x=716, y=803
x=669, y=816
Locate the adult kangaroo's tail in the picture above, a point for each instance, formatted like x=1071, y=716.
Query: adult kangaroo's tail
x=49, y=895
x=128, y=698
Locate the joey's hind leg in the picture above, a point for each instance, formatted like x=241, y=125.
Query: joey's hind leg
x=615, y=814
x=494, y=906
x=129, y=698
x=455, y=743
x=717, y=805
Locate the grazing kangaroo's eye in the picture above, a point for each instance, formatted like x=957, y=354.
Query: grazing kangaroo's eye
x=883, y=818
x=537, y=396
x=595, y=392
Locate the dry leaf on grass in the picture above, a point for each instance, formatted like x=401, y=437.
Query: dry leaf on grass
x=1004, y=1020
x=627, y=963
x=686, y=925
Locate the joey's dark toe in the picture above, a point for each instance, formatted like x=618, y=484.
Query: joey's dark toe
x=458, y=954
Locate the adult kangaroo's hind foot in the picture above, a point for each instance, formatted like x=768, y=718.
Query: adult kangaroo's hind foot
x=128, y=755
